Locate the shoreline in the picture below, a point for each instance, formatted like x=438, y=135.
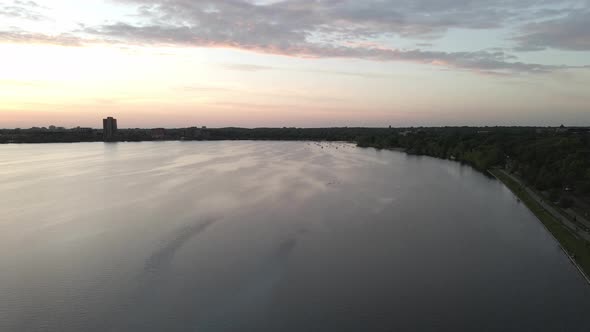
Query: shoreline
x=547, y=220
x=195, y=140
x=568, y=241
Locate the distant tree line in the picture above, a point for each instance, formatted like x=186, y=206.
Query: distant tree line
x=189, y=134
x=548, y=158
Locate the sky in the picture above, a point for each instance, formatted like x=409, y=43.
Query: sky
x=295, y=63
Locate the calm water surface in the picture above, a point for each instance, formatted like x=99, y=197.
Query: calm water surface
x=270, y=236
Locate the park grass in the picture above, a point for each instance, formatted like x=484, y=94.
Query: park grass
x=578, y=248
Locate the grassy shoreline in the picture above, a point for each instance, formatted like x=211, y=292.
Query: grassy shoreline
x=577, y=249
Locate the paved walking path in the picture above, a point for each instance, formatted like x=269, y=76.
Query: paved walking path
x=554, y=212
x=560, y=217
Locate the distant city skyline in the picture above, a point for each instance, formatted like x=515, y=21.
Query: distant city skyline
x=295, y=63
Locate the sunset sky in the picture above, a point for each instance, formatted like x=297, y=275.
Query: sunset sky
x=304, y=63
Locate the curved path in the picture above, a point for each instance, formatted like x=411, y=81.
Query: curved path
x=553, y=211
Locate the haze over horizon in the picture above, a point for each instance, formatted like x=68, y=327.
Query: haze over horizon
x=295, y=63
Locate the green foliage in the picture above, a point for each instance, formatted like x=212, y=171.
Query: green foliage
x=554, y=195
x=546, y=160
x=566, y=202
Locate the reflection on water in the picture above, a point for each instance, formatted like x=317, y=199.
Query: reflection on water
x=270, y=236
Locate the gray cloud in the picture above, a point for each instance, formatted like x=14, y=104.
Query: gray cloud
x=343, y=28
x=332, y=28
x=481, y=61
x=28, y=10
x=570, y=32
x=353, y=18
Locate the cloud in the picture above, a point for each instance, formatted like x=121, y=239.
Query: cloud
x=570, y=32
x=28, y=10
x=330, y=28
x=16, y=36
x=481, y=61
x=342, y=29
x=298, y=19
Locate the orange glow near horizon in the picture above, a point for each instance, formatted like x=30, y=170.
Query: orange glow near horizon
x=42, y=85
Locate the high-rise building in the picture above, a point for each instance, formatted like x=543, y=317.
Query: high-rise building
x=109, y=127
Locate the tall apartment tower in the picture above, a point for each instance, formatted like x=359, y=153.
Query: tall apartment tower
x=109, y=127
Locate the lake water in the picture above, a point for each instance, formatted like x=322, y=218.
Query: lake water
x=270, y=236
